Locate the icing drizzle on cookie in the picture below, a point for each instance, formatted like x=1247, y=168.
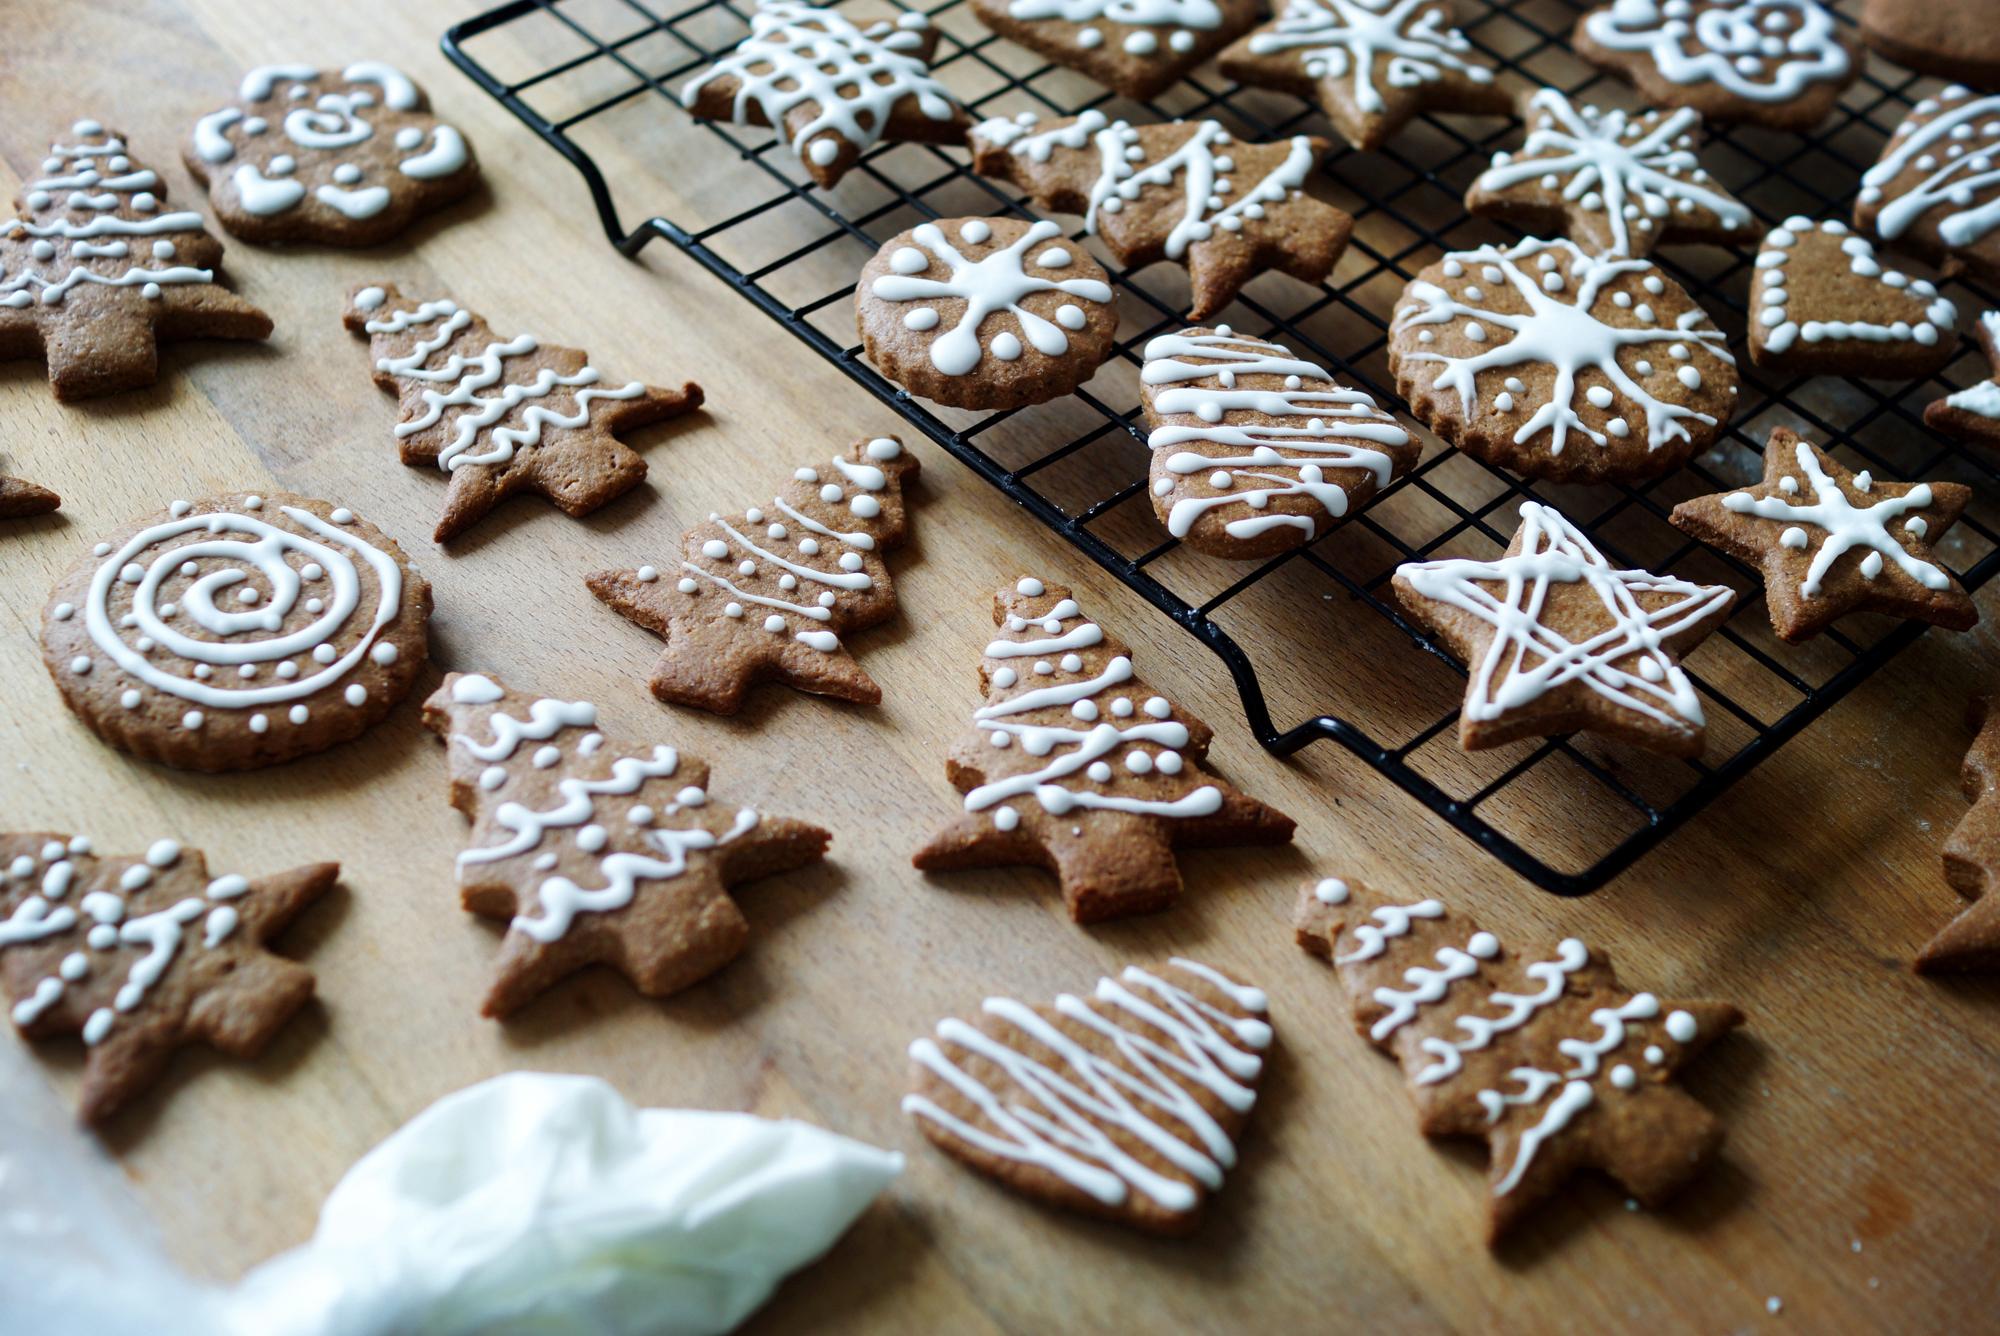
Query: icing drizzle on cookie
x=1340, y=428
x=1180, y=19
x=854, y=78
x=1622, y=660
x=1562, y=329
x=1339, y=39
x=1762, y=50
x=1951, y=140
x=1069, y=1115
x=1639, y=170
x=1982, y=399
x=1780, y=326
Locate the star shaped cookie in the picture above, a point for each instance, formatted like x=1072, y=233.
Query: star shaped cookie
x=1830, y=541
x=142, y=955
x=20, y=498
x=501, y=416
x=1189, y=192
x=594, y=854
x=1372, y=65
x=1558, y=640
x=1972, y=857
x=1972, y=415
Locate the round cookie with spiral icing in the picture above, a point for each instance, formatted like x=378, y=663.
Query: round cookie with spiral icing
x=987, y=313
x=1562, y=365
x=237, y=631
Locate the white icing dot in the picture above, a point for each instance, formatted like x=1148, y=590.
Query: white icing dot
x=1331, y=891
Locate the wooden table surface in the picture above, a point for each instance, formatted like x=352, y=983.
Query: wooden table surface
x=1858, y=1182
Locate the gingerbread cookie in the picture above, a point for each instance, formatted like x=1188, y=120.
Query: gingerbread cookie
x=1139, y=48
x=1075, y=764
x=1972, y=415
x=1256, y=451
x=1933, y=191
x=1776, y=63
x=1826, y=306
x=637, y=882
x=1126, y=1104
x=1972, y=856
x=237, y=631
x=1954, y=40
x=20, y=498
x=988, y=313
x=1558, y=640
x=1372, y=65
x=550, y=427
x=144, y=955
x=1552, y=1061
x=1562, y=365
x=347, y=158
x=1189, y=192
x=1830, y=541
x=766, y=594
x=1619, y=183
x=831, y=87
x=97, y=270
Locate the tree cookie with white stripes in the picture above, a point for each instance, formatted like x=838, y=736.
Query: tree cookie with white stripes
x=97, y=269
x=501, y=416
x=346, y=157
x=1935, y=191
x=596, y=853
x=1562, y=365
x=1257, y=451
x=237, y=631
x=767, y=594
x=1075, y=764
x=1825, y=306
x=1126, y=1104
x=1831, y=541
x=142, y=955
x=1546, y=1056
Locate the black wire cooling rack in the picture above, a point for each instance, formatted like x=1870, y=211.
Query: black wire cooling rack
x=598, y=81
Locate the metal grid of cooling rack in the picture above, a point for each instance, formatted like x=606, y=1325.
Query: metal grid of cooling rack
x=598, y=78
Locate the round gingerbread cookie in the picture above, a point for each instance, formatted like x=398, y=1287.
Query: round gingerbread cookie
x=1562, y=365
x=986, y=313
x=237, y=631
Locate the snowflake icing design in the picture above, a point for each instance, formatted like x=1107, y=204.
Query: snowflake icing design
x=1637, y=174
x=1340, y=37
x=1536, y=658
x=1762, y=50
x=1565, y=335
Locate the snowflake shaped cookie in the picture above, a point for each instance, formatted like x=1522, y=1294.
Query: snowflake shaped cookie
x=348, y=158
x=1561, y=365
x=1618, y=182
x=833, y=88
x=1826, y=306
x=1831, y=542
x=1935, y=191
x=1371, y=64
x=1139, y=48
x=1780, y=63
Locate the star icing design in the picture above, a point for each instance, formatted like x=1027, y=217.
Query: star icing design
x=1972, y=415
x=1774, y=62
x=1189, y=192
x=1972, y=857
x=501, y=416
x=595, y=854
x=832, y=88
x=1545, y=1055
x=1372, y=64
x=1590, y=325
x=1627, y=182
x=143, y=955
x=1831, y=542
x=1935, y=191
x=1558, y=640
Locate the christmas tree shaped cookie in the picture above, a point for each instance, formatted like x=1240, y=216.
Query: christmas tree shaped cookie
x=1546, y=1055
x=1075, y=764
x=501, y=416
x=767, y=594
x=142, y=955
x=594, y=854
x=1972, y=857
x=1126, y=1104
x=20, y=498
x=1189, y=192
x=96, y=270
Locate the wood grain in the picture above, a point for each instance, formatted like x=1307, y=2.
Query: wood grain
x=1857, y=1182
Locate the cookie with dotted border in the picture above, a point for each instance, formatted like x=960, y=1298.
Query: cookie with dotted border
x=1827, y=307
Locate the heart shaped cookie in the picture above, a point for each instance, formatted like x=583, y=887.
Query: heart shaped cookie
x=1826, y=306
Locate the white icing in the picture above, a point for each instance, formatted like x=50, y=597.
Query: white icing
x=1959, y=185
x=1779, y=328
x=1982, y=399
x=1762, y=50
x=1180, y=18
x=1339, y=39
